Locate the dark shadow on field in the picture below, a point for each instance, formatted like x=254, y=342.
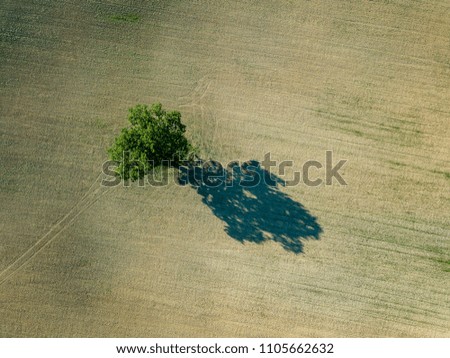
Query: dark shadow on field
x=248, y=199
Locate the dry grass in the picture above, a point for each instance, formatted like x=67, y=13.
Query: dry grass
x=368, y=80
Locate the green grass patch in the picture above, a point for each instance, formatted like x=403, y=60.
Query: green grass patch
x=445, y=264
x=397, y=164
x=353, y=131
x=445, y=174
x=442, y=261
x=98, y=123
x=124, y=18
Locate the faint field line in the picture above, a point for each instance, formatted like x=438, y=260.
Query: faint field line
x=196, y=102
x=88, y=199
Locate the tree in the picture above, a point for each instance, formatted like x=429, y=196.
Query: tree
x=155, y=138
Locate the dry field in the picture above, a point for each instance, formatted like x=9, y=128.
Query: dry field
x=369, y=80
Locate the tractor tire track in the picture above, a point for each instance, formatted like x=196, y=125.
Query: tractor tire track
x=91, y=196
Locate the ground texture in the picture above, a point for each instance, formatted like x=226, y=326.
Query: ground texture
x=368, y=80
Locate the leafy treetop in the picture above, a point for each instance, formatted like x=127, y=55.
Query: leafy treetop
x=154, y=136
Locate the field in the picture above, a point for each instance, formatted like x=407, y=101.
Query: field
x=368, y=80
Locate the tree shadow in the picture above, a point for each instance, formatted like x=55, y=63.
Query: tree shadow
x=249, y=200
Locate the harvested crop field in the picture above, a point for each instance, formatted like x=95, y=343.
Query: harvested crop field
x=367, y=80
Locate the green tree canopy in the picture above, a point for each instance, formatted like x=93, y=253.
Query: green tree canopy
x=154, y=136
